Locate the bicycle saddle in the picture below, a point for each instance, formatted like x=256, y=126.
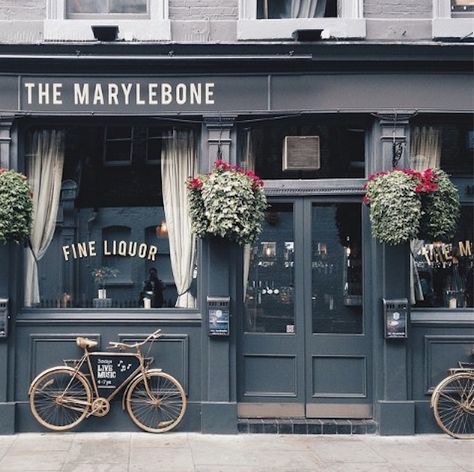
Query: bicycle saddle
x=84, y=343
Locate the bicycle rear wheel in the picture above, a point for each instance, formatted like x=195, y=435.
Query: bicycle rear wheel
x=161, y=407
x=60, y=399
x=453, y=405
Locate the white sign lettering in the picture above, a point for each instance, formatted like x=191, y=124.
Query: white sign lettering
x=120, y=93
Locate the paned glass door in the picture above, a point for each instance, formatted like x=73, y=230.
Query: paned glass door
x=303, y=342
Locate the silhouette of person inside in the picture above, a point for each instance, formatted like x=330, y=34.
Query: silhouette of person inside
x=152, y=289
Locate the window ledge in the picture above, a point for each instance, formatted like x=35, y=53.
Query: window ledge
x=442, y=315
x=283, y=29
x=129, y=30
x=443, y=28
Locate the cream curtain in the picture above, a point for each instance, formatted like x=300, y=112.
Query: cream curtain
x=249, y=154
x=178, y=162
x=425, y=152
x=425, y=148
x=307, y=8
x=45, y=160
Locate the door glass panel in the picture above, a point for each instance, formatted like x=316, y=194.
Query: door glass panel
x=336, y=267
x=269, y=275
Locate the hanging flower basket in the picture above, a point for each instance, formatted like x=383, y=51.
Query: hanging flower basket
x=406, y=204
x=16, y=207
x=229, y=202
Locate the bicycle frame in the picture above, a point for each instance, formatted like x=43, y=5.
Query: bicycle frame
x=86, y=359
x=155, y=400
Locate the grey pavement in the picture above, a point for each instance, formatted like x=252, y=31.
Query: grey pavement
x=194, y=452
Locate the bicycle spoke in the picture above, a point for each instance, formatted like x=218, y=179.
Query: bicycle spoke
x=60, y=399
x=157, y=406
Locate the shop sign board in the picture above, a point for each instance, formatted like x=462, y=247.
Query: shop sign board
x=248, y=93
x=142, y=95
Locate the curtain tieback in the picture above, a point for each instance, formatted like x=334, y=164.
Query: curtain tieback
x=33, y=252
x=186, y=291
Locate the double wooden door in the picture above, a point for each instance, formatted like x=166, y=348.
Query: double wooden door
x=304, y=340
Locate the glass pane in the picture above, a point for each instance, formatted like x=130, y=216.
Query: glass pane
x=128, y=6
x=118, y=151
x=269, y=301
x=276, y=9
x=341, y=149
x=119, y=132
x=111, y=246
x=443, y=275
x=86, y=6
x=336, y=267
x=462, y=6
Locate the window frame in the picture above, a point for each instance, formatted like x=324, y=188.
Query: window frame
x=116, y=163
x=445, y=25
x=154, y=26
x=350, y=23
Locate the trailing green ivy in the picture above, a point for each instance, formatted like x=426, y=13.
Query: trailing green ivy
x=441, y=210
x=16, y=207
x=406, y=204
x=228, y=202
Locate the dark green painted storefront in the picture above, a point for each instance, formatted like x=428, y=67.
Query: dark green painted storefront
x=345, y=371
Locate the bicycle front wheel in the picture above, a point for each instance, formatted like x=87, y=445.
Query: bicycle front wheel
x=453, y=405
x=60, y=399
x=156, y=403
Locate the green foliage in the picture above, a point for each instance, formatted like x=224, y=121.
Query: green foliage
x=395, y=208
x=406, y=205
x=228, y=202
x=441, y=210
x=16, y=207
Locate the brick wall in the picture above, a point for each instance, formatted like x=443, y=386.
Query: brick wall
x=203, y=9
x=398, y=8
x=22, y=9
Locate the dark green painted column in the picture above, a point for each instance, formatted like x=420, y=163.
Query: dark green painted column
x=7, y=408
x=395, y=410
x=219, y=408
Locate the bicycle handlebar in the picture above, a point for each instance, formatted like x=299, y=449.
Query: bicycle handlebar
x=119, y=345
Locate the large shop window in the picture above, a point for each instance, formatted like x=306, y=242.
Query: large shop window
x=304, y=148
x=110, y=236
x=442, y=271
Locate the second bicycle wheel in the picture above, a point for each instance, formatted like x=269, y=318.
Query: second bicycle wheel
x=453, y=405
x=60, y=398
x=156, y=404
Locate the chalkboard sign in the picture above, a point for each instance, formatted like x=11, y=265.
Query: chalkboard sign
x=111, y=371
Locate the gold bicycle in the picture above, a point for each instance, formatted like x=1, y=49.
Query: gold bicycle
x=61, y=397
x=453, y=402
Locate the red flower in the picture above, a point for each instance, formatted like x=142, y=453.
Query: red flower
x=365, y=199
x=2, y=170
x=194, y=183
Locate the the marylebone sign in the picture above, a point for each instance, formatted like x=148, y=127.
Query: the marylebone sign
x=213, y=94
x=141, y=95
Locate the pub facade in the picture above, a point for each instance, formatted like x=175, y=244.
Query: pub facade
x=108, y=130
